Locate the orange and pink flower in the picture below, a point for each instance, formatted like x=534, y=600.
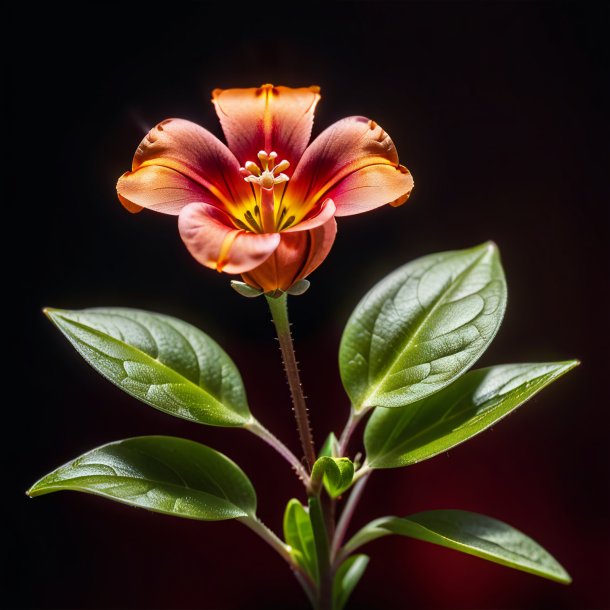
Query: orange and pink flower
x=265, y=205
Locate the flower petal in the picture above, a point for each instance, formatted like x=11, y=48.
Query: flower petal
x=322, y=215
x=267, y=118
x=160, y=189
x=354, y=162
x=213, y=240
x=188, y=164
x=298, y=254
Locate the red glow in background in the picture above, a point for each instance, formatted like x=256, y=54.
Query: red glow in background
x=498, y=110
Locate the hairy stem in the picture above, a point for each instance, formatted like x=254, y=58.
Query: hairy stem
x=259, y=430
x=347, y=514
x=261, y=530
x=279, y=313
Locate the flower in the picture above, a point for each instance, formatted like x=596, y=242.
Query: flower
x=265, y=205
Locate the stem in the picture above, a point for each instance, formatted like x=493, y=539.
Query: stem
x=347, y=514
x=352, y=423
x=260, y=529
x=259, y=430
x=325, y=573
x=279, y=313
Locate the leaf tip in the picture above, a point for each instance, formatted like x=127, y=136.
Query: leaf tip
x=490, y=247
x=52, y=313
x=568, y=365
x=32, y=492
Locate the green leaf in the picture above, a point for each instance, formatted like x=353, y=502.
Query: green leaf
x=160, y=473
x=473, y=403
x=482, y=537
x=298, y=534
x=335, y=473
x=245, y=289
x=299, y=288
x=320, y=534
x=330, y=448
x=347, y=577
x=422, y=326
x=166, y=363
x=371, y=531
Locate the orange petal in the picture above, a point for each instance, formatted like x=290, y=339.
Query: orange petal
x=321, y=216
x=214, y=242
x=298, y=255
x=267, y=118
x=160, y=189
x=354, y=162
x=183, y=163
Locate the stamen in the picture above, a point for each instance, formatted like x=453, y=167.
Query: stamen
x=281, y=166
x=266, y=178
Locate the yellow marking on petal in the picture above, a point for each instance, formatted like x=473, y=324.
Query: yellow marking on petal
x=224, y=250
x=195, y=177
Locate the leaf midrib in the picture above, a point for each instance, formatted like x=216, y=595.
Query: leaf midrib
x=440, y=299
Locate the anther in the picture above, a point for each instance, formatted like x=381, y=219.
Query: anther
x=270, y=175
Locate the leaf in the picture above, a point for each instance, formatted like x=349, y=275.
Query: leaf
x=330, y=448
x=371, y=531
x=160, y=473
x=473, y=403
x=166, y=363
x=335, y=473
x=320, y=534
x=482, y=537
x=422, y=326
x=245, y=289
x=298, y=534
x=347, y=577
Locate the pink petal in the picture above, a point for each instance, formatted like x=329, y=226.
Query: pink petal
x=267, y=118
x=354, y=162
x=182, y=163
x=214, y=241
x=321, y=240
x=298, y=254
x=160, y=189
x=322, y=215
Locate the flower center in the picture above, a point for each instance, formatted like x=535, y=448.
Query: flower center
x=265, y=178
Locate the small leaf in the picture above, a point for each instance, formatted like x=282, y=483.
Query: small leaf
x=422, y=326
x=330, y=448
x=299, y=288
x=335, y=473
x=298, y=534
x=245, y=289
x=347, y=577
x=472, y=534
x=160, y=473
x=473, y=403
x=166, y=363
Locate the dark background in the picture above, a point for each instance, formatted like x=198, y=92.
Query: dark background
x=498, y=111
